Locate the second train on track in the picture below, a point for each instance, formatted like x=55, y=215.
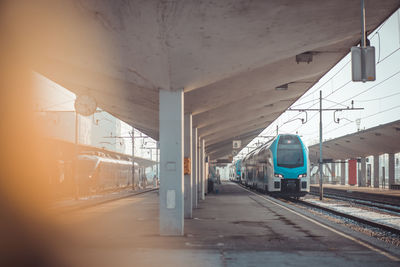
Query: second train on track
x=280, y=167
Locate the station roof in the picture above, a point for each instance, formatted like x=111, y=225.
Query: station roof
x=374, y=141
x=228, y=56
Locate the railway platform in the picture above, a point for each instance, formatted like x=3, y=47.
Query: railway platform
x=387, y=196
x=71, y=204
x=234, y=227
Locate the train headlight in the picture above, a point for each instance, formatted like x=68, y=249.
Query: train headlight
x=278, y=175
x=302, y=175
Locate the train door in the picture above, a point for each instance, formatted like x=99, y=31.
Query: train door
x=265, y=178
x=270, y=172
x=260, y=177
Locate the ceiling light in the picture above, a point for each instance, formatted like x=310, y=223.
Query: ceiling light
x=304, y=57
x=282, y=87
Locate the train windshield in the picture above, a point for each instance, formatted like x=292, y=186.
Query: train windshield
x=289, y=152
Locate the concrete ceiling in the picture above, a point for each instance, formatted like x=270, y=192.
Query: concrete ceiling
x=374, y=141
x=227, y=55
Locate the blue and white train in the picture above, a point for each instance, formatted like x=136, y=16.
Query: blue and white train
x=280, y=167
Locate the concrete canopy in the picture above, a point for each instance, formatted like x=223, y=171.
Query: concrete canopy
x=374, y=141
x=227, y=55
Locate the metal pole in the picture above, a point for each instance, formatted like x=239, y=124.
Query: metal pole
x=320, y=146
x=363, y=43
x=157, y=161
x=75, y=159
x=363, y=36
x=133, y=158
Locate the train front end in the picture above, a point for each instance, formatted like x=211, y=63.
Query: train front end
x=291, y=175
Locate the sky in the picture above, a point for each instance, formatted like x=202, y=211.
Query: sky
x=380, y=99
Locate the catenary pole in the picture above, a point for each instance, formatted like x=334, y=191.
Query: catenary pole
x=320, y=110
x=133, y=158
x=320, y=146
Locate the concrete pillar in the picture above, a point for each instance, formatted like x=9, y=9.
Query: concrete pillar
x=206, y=174
x=343, y=172
x=203, y=168
x=194, y=167
x=171, y=163
x=376, y=171
x=363, y=173
x=188, y=176
x=199, y=182
x=333, y=172
x=391, y=169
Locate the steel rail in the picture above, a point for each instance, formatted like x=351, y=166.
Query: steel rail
x=338, y=213
x=348, y=216
x=394, y=208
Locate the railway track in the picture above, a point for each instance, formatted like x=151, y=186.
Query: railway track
x=358, y=219
x=348, y=216
x=80, y=205
x=361, y=196
x=389, y=207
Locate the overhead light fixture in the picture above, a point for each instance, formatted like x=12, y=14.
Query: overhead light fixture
x=282, y=87
x=304, y=57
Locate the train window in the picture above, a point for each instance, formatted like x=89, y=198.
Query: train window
x=289, y=152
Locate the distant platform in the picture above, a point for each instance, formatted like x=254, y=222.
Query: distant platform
x=388, y=196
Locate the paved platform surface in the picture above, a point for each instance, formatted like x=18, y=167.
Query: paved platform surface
x=232, y=228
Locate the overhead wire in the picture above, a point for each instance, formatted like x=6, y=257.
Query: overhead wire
x=371, y=87
x=334, y=91
x=379, y=98
x=337, y=103
x=333, y=76
x=314, y=115
x=389, y=55
x=342, y=86
x=386, y=79
x=371, y=115
x=378, y=62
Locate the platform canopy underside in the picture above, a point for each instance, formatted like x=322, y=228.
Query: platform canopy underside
x=228, y=56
